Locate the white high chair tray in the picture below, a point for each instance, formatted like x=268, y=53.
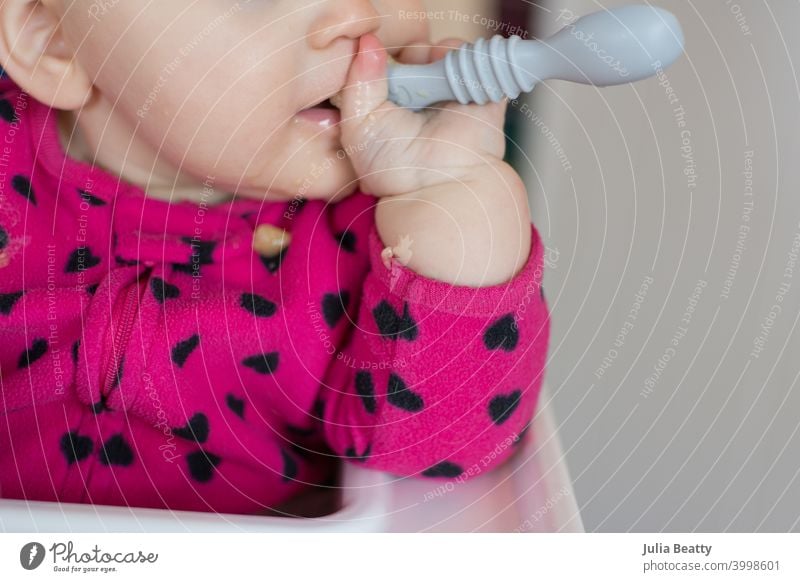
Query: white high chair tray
x=530, y=493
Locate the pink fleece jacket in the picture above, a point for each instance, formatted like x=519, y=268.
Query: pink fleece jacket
x=151, y=358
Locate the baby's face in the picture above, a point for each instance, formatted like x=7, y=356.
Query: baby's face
x=217, y=86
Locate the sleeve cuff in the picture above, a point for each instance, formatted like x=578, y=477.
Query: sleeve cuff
x=399, y=280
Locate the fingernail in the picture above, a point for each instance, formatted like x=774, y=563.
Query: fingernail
x=369, y=47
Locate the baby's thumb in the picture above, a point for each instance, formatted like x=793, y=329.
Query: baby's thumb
x=366, y=87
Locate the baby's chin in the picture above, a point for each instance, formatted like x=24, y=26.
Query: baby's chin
x=331, y=187
x=329, y=195
x=314, y=169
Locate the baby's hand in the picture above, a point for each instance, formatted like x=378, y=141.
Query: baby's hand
x=450, y=208
x=397, y=151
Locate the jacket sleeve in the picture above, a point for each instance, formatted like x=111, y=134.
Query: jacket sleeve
x=437, y=379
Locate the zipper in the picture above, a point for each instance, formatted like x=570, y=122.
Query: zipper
x=125, y=310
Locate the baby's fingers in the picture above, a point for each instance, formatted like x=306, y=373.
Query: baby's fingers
x=366, y=87
x=443, y=47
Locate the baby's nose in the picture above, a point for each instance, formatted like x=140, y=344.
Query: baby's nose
x=343, y=18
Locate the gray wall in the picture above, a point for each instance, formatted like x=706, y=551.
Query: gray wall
x=693, y=424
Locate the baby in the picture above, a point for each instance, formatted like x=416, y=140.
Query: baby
x=160, y=346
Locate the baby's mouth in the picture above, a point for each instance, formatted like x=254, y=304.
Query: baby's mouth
x=327, y=104
x=324, y=114
x=333, y=102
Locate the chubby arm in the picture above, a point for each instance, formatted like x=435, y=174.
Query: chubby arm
x=437, y=380
x=443, y=369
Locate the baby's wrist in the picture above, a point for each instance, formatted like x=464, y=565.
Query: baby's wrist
x=489, y=170
x=473, y=231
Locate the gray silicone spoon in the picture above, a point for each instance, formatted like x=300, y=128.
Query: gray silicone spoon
x=611, y=47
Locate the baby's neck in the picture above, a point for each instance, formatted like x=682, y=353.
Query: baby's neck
x=106, y=142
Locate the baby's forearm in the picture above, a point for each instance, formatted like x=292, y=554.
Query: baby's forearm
x=474, y=231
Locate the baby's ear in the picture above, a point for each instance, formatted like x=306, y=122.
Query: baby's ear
x=35, y=53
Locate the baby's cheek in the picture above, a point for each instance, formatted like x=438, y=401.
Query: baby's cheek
x=192, y=134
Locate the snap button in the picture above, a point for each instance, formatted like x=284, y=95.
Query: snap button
x=269, y=240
